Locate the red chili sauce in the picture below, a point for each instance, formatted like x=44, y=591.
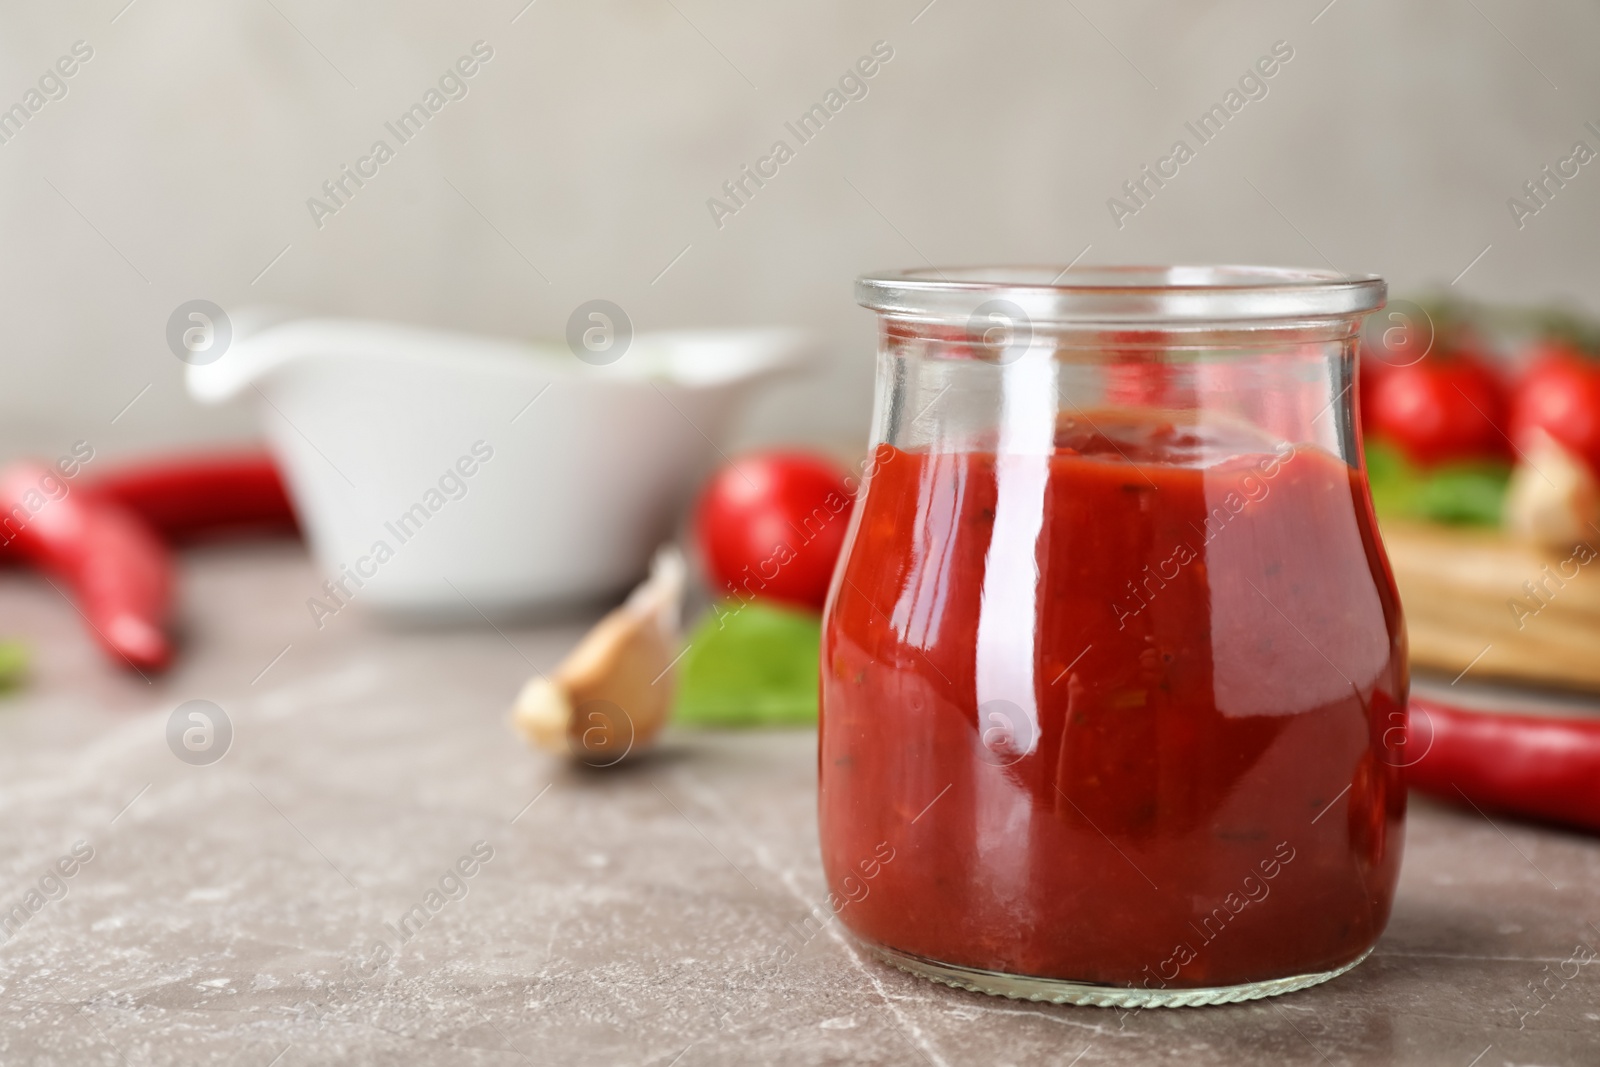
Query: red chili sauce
x=1168, y=755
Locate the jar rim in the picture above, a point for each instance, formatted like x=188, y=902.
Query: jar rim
x=1121, y=294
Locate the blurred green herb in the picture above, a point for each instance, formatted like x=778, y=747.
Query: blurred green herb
x=1459, y=493
x=751, y=665
x=1549, y=321
x=13, y=664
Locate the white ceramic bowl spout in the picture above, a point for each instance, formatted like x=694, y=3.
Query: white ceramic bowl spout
x=444, y=475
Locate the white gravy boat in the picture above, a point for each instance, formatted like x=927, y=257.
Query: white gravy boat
x=450, y=475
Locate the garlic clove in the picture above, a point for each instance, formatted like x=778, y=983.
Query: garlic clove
x=613, y=693
x=1553, y=496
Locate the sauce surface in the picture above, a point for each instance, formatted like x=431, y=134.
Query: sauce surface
x=1126, y=712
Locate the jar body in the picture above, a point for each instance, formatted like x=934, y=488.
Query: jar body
x=1113, y=666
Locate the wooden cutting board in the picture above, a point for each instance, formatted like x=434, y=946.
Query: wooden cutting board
x=1475, y=598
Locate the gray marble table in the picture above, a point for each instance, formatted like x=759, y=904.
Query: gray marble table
x=230, y=912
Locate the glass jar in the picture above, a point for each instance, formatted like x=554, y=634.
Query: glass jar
x=1113, y=668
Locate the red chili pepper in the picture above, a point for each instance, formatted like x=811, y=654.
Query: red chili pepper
x=1539, y=767
x=118, y=570
x=194, y=499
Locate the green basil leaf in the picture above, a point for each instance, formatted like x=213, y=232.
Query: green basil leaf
x=751, y=664
x=13, y=663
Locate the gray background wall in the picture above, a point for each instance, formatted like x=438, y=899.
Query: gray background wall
x=179, y=164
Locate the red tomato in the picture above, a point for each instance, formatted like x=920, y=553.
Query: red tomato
x=1560, y=395
x=771, y=524
x=1447, y=406
x=1372, y=370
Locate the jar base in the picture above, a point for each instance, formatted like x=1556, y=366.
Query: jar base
x=1062, y=991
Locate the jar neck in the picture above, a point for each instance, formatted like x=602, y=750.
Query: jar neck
x=1206, y=391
